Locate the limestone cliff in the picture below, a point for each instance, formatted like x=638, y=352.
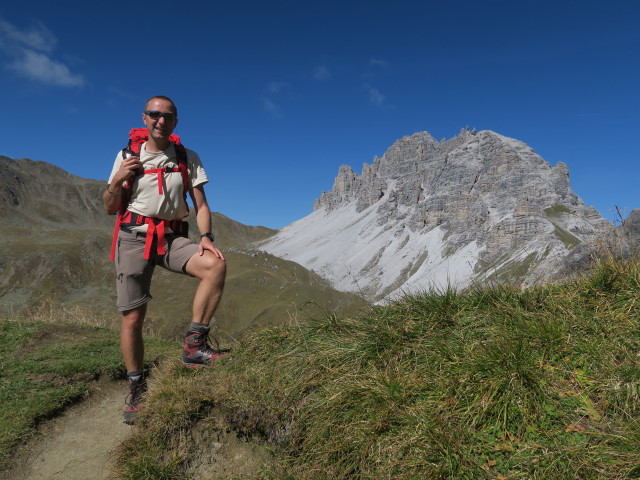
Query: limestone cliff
x=477, y=207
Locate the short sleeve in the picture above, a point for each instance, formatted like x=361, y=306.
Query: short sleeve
x=116, y=166
x=197, y=175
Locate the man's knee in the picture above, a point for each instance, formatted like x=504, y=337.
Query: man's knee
x=134, y=319
x=207, y=266
x=215, y=267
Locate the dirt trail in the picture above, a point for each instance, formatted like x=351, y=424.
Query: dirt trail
x=78, y=444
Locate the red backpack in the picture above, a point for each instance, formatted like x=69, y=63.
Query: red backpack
x=156, y=226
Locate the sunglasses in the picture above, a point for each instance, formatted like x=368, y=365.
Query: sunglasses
x=155, y=115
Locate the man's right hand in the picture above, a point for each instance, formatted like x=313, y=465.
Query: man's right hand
x=112, y=197
x=128, y=169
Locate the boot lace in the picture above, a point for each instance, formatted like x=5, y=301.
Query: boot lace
x=136, y=389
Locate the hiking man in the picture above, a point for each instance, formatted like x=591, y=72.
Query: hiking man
x=149, y=190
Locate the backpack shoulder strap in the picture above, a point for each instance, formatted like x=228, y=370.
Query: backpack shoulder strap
x=181, y=155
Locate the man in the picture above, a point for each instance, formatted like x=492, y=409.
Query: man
x=154, y=209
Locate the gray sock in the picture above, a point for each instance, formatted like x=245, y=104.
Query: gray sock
x=199, y=327
x=135, y=376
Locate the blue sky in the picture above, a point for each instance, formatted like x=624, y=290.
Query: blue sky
x=275, y=96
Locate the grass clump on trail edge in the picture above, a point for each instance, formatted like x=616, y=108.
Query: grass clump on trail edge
x=493, y=384
x=46, y=366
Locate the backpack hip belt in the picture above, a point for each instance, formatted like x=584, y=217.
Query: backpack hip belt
x=156, y=228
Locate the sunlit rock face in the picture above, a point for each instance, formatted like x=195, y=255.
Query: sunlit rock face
x=477, y=208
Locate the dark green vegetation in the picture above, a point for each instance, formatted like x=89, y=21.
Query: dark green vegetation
x=492, y=384
x=46, y=366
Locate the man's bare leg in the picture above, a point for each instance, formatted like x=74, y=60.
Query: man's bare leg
x=211, y=271
x=132, y=348
x=131, y=342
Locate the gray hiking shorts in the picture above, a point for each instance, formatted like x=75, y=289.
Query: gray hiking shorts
x=133, y=272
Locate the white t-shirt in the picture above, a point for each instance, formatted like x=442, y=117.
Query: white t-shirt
x=145, y=199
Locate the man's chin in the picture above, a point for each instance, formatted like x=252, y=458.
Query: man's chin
x=161, y=137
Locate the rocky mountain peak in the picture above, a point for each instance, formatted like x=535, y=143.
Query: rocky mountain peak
x=474, y=207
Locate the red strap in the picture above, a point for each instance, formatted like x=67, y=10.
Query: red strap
x=153, y=230
x=116, y=229
x=160, y=172
x=157, y=231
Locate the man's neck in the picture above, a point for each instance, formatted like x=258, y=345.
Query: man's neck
x=155, y=147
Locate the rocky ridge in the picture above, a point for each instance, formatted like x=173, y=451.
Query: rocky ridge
x=475, y=208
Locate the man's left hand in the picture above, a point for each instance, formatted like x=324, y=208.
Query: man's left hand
x=205, y=244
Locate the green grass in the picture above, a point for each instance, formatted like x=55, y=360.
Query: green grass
x=556, y=211
x=566, y=237
x=47, y=366
x=491, y=384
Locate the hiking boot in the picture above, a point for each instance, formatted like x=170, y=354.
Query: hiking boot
x=135, y=399
x=197, y=352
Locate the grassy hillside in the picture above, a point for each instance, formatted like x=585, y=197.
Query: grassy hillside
x=493, y=384
x=56, y=241
x=232, y=234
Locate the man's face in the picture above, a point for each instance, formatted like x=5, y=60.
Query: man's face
x=161, y=128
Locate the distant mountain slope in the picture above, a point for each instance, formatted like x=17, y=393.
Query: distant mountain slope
x=478, y=207
x=56, y=240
